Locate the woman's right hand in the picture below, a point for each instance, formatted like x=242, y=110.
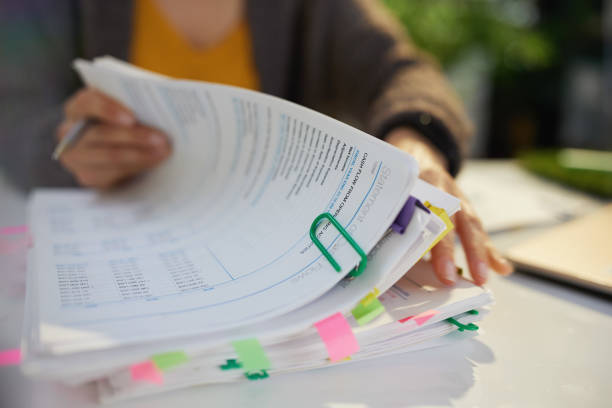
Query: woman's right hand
x=115, y=148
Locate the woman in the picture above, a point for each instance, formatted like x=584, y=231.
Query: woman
x=346, y=58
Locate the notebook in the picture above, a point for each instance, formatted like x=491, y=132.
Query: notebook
x=577, y=252
x=213, y=268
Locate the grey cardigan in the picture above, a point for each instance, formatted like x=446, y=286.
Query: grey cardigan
x=346, y=58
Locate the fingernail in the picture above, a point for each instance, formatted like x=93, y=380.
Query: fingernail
x=125, y=119
x=156, y=139
x=482, y=270
x=450, y=271
x=508, y=268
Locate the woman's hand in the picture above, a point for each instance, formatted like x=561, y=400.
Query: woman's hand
x=116, y=148
x=480, y=253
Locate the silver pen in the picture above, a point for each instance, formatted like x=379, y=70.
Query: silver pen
x=74, y=134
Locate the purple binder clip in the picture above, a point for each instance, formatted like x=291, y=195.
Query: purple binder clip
x=405, y=215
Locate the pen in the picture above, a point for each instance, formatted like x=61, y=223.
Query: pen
x=74, y=134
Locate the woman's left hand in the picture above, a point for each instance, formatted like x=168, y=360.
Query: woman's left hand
x=480, y=253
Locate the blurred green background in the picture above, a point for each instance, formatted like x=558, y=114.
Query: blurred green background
x=532, y=73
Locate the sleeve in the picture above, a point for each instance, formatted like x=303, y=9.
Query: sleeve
x=366, y=65
x=38, y=46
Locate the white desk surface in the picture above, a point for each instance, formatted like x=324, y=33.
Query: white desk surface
x=544, y=344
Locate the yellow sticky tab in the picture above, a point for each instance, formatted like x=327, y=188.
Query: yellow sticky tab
x=370, y=297
x=440, y=212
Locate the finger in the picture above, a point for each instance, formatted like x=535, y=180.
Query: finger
x=442, y=258
x=63, y=129
x=137, y=136
x=473, y=239
x=91, y=103
x=112, y=157
x=498, y=262
x=101, y=178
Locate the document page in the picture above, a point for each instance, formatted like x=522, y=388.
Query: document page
x=218, y=236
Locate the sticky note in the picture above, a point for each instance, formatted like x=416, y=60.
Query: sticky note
x=16, y=229
x=440, y=212
x=425, y=316
x=251, y=355
x=147, y=372
x=166, y=361
x=405, y=319
x=338, y=337
x=365, y=313
x=370, y=297
x=10, y=357
x=421, y=318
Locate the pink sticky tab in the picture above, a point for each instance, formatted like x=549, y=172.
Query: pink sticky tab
x=338, y=337
x=421, y=318
x=10, y=357
x=10, y=246
x=146, y=372
x=15, y=229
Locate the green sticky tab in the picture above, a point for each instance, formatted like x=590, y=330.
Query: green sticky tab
x=365, y=313
x=251, y=355
x=166, y=361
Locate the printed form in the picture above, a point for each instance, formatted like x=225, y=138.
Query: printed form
x=218, y=236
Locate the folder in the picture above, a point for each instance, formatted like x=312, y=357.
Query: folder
x=576, y=252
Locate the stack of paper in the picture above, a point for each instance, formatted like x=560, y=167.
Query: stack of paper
x=204, y=271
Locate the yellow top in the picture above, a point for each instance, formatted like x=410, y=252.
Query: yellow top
x=157, y=46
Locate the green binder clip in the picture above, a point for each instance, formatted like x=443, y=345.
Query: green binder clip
x=461, y=326
x=313, y=236
x=230, y=365
x=257, y=376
